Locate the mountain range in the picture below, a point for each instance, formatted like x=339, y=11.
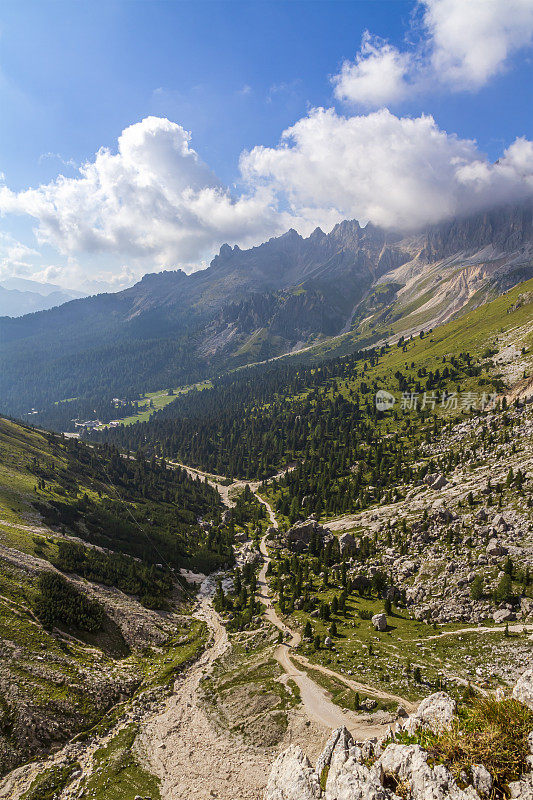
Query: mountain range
x=359, y=284
x=19, y=296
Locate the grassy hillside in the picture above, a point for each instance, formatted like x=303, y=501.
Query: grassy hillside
x=129, y=505
x=91, y=601
x=471, y=330
x=254, y=422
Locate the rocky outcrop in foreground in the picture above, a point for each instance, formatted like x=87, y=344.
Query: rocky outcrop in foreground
x=387, y=770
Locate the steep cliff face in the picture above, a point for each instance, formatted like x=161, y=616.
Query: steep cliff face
x=507, y=229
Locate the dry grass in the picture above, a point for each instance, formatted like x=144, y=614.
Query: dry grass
x=486, y=731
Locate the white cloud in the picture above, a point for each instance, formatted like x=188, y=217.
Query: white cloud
x=472, y=41
x=377, y=77
x=75, y=275
x=154, y=200
x=16, y=258
x=69, y=162
x=395, y=172
x=464, y=44
x=154, y=203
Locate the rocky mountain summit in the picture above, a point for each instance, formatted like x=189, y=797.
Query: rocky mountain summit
x=362, y=284
x=392, y=767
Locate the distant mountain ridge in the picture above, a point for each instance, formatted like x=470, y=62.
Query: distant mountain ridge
x=248, y=305
x=19, y=296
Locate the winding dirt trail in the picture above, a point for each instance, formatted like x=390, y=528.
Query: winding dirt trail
x=177, y=742
x=180, y=744
x=516, y=628
x=315, y=699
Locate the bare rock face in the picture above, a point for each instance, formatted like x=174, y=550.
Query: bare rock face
x=482, y=780
x=523, y=691
x=350, y=780
x=406, y=765
x=379, y=621
x=434, y=712
x=522, y=789
x=340, y=741
x=292, y=777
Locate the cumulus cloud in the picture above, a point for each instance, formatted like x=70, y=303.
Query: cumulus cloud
x=395, y=172
x=154, y=203
x=463, y=45
x=153, y=199
x=16, y=258
x=472, y=41
x=378, y=75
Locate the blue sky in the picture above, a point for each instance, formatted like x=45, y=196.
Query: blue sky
x=75, y=75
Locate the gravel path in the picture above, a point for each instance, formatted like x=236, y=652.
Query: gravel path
x=183, y=748
x=315, y=699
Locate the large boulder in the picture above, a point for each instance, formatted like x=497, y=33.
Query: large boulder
x=523, y=691
x=439, y=483
x=435, y=712
x=379, y=621
x=292, y=777
x=298, y=538
x=441, y=514
x=503, y=615
x=347, y=543
x=249, y=555
x=495, y=549
x=499, y=523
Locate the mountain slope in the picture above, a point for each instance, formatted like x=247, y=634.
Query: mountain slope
x=172, y=328
x=91, y=605
x=255, y=422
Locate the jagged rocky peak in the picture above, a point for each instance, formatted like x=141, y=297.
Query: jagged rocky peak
x=152, y=278
x=227, y=250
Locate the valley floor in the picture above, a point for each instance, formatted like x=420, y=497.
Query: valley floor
x=182, y=745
